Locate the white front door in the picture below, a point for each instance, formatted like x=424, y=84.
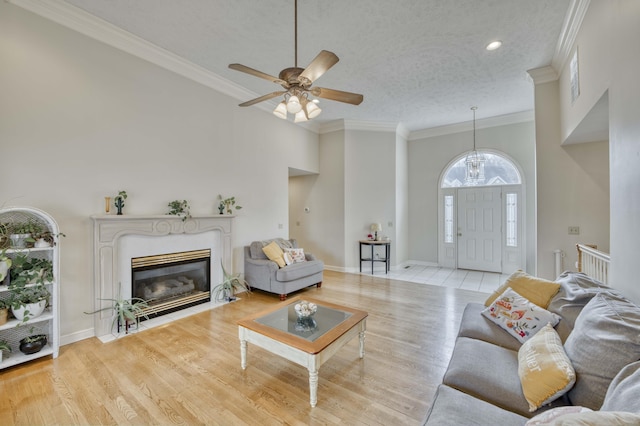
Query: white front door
x=479, y=229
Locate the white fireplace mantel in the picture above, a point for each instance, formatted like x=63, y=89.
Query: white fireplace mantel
x=114, y=235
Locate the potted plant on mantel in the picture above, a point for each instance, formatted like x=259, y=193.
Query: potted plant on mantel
x=227, y=203
x=226, y=289
x=180, y=208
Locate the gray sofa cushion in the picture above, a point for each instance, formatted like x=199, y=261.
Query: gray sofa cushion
x=477, y=326
x=624, y=392
x=606, y=337
x=256, y=250
x=576, y=290
x=454, y=408
x=488, y=372
x=256, y=246
x=299, y=270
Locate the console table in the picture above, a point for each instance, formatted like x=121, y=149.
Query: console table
x=372, y=244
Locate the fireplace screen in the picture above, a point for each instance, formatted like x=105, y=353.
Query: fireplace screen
x=170, y=282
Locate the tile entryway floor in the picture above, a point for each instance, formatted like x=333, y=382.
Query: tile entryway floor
x=484, y=282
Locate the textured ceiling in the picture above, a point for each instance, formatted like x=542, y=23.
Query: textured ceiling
x=421, y=63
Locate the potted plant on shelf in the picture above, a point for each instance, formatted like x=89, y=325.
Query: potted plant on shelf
x=28, y=293
x=21, y=233
x=5, y=267
x=4, y=311
x=33, y=343
x=4, y=346
x=27, y=270
x=46, y=239
x=226, y=289
x=180, y=208
x=29, y=302
x=4, y=235
x=125, y=312
x=227, y=203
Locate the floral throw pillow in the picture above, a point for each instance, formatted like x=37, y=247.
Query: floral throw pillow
x=519, y=317
x=297, y=254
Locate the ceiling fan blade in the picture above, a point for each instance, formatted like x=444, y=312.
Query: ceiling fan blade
x=256, y=73
x=262, y=98
x=318, y=66
x=337, y=95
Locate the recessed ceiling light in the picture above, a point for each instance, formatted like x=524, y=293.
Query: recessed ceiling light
x=494, y=45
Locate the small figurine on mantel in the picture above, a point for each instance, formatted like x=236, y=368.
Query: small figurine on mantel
x=119, y=201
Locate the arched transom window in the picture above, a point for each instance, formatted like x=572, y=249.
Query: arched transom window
x=498, y=170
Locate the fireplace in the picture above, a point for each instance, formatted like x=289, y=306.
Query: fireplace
x=119, y=239
x=171, y=282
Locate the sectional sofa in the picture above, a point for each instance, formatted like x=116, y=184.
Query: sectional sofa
x=589, y=376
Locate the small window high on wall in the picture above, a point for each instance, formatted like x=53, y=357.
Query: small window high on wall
x=498, y=170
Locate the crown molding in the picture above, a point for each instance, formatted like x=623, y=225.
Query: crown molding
x=572, y=23
x=89, y=25
x=543, y=75
x=501, y=120
x=403, y=131
x=371, y=126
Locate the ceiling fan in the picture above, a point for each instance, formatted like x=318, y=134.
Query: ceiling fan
x=298, y=82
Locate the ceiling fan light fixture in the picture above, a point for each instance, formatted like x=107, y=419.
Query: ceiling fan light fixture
x=293, y=104
x=281, y=111
x=313, y=110
x=300, y=117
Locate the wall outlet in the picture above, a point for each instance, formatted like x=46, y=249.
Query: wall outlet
x=574, y=230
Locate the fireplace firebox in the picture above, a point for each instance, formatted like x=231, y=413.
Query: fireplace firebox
x=171, y=282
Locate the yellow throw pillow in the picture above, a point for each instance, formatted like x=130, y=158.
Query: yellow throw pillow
x=544, y=368
x=534, y=289
x=275, y=253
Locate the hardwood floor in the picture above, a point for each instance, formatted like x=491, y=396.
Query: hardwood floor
x=188, y=371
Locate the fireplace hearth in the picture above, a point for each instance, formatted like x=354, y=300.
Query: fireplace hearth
x=171, y=282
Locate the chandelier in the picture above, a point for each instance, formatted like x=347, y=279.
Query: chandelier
x=475, y=160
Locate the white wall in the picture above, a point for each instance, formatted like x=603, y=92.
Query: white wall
x=429, y=157
x=401, y=236
x=362, y=180
x=80, y=121
x=573, y=187
x=609, y=59
x=370, y=188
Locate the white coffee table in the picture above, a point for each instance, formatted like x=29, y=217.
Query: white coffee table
x=274, y=330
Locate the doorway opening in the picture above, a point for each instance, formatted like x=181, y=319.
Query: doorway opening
x=481, y=223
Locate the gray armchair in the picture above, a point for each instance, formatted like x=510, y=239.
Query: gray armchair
x=264, y=274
